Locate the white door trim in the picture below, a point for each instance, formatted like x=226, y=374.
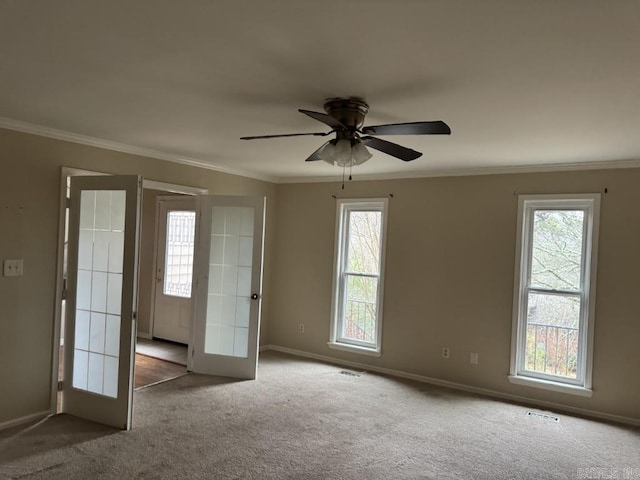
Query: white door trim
x=173, y=187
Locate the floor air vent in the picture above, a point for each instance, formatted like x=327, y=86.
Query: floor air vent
x=543, y=416
x=350, y=374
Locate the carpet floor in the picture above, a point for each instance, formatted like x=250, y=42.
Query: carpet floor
x=303, y=419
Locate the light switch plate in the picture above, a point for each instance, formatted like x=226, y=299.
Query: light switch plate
x=473, y=358
x=12, y=268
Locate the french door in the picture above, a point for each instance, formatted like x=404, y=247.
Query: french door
x=100, y=328
x=228, y=286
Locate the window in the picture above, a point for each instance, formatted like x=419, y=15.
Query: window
x=359, y=267
x=179, y=253
x=555, y=292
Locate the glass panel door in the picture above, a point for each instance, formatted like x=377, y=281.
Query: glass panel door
x=229, y=270
x=172, y=315
x=103, y=235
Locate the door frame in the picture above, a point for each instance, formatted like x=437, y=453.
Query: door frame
x=66, y=172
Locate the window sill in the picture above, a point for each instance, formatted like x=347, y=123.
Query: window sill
x=549, y=385
x=355, y=349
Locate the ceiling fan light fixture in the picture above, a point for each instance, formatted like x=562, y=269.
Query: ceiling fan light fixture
x=359, y=153
x=345, y=153
x=328, y=153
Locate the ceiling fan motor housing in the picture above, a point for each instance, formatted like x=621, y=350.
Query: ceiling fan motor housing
x=348, y=111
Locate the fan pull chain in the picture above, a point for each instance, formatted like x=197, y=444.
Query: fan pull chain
x=350, y=167
x=343, y=170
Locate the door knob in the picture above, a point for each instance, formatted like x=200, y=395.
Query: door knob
x=254, y=296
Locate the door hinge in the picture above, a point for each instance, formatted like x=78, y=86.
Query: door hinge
x=193, y=352
x=64, y=294
x=59, y=385
x=67, y=202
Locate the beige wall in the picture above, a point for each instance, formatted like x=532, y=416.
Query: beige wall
x=449, y=278
x=30, y=168
x=449, y=269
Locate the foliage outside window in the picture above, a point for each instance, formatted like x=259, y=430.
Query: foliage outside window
x=357, y=302
x=555, y=291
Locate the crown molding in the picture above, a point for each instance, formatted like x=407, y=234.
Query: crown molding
x=468, y=172
x=19, y=126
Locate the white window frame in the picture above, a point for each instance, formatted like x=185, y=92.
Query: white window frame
x=527, y=205
x=344, y=208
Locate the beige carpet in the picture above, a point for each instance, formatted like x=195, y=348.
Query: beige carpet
x=305, y=420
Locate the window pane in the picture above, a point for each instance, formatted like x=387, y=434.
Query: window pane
x=364, y=242
x=229, y=289
x=557, y=249
x=99, y=292
x=360, y=308
x=179, y=254
x=552, y=334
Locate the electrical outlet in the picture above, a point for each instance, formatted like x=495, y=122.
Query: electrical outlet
x=301, y=328
x=445, y=352
x=473, y=358
x=12, y=268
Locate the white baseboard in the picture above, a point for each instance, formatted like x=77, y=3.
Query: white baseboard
x=146, y=336
x=458, y=386
x=25, y=419
x=263, y=348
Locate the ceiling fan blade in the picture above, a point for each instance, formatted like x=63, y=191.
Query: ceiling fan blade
x=316, y=155
x=324, y=118
x=413, y=128
x=393, y=149
x=286, y=135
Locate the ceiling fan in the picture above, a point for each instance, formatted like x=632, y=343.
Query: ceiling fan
x=345, y=116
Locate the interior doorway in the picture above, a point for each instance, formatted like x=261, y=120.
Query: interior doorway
x=102, y=304
x=153, y=365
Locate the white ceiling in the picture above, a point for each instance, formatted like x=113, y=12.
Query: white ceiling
x=520, y=83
